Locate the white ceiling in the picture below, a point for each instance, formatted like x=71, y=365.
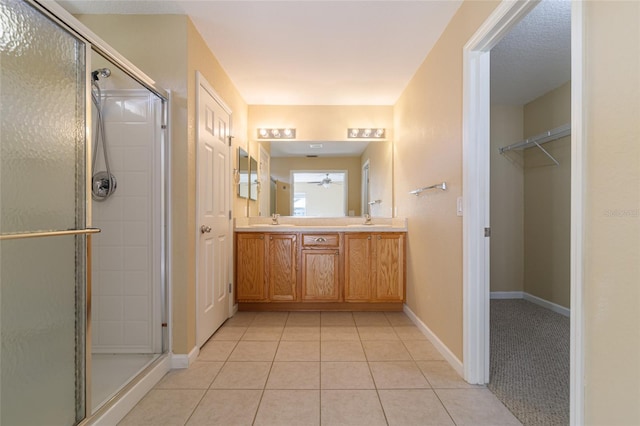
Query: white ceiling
x=354, y=52
x=534, y=57
x=308, y=52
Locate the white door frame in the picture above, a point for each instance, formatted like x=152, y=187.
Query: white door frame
x=476, y=182
x=201, y=81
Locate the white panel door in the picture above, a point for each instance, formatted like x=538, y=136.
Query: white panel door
x=214, y=232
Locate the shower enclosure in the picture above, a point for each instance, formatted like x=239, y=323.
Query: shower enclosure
x=127, y=186
x=82, y=219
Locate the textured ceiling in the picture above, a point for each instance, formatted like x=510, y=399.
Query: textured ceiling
x=534, y=57
x=354, y=52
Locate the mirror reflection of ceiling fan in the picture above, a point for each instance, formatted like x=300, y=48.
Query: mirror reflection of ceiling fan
x=326, y=181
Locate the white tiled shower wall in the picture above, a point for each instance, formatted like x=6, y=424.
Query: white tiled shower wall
x=125, y=304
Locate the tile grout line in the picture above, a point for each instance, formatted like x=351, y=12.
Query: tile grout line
x=444, y=406
x=212, y=380
x=375, y=385
x=264, y=387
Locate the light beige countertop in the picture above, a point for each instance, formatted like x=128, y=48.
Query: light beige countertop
x=310, y=224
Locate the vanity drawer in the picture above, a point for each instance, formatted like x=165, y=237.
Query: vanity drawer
x=320, y=240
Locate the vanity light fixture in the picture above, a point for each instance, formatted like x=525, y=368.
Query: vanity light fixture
x=286, y=133
x=367, y=133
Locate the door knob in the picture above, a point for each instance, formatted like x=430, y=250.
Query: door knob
x=205, y=229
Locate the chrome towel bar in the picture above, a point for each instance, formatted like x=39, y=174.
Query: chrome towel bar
x=442, y=186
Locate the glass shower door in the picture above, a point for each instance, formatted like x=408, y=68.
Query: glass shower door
x=42, y=219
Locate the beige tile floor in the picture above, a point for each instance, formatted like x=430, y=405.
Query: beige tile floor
x=329, y=368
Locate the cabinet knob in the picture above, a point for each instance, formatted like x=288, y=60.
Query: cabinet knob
x=379, y=237
x=271, y=238
x=369, y=237
x=337, y=253
x=262, y=237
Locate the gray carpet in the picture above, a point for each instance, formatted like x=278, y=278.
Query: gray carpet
x=530, y=361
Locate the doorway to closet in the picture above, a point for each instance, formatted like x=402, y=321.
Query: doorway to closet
x=530, y=216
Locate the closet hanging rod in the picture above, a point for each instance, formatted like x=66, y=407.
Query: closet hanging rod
x=537, y=140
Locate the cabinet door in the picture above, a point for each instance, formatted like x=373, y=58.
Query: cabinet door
x=321, y=275
x=389, y=267
x=357, y=267
x=282, y=267
x=251, y=275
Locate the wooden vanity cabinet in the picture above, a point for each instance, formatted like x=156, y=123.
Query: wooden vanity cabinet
x=374, y=267
x=389, y=266
x=358, y=267
x=282, y=267
x=320, y=271
x=321, y=267
x=266, y=267
x=251, y=277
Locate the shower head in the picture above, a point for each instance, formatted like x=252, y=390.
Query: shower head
x=100, y=72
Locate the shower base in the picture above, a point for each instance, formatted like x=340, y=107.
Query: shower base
x=111, y=372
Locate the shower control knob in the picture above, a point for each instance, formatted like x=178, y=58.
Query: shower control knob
x=205, y=229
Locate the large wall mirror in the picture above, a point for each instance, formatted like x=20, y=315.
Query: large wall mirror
x=355, y=158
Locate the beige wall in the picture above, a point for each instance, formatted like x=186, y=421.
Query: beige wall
x=612, y=213
x=507, y=200
x=169, y=50
x=428, y=150
x=281, y=168
x=547, y=200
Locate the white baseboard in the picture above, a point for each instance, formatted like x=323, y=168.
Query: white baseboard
x=184, y=360
x=441, y=347
x=506, y=294
x=234, y=309
x=122, y=406
x=533, y=299
x=546, y=304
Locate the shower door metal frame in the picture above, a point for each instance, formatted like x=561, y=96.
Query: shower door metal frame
x=91, y=41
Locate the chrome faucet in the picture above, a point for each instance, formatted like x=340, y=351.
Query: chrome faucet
x=367, y=219
x=274, y=219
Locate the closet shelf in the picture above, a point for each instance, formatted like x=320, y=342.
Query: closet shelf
x=538, y=140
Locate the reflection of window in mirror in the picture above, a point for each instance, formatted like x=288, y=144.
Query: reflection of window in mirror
x=253, y=179
x=243, y=170
x=319, y=193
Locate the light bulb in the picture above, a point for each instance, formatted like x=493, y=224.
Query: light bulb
x=288, y=132
x=354, y=133
x=366, y=133
x=264, y=133
x=379, y=133
x=275, y=133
